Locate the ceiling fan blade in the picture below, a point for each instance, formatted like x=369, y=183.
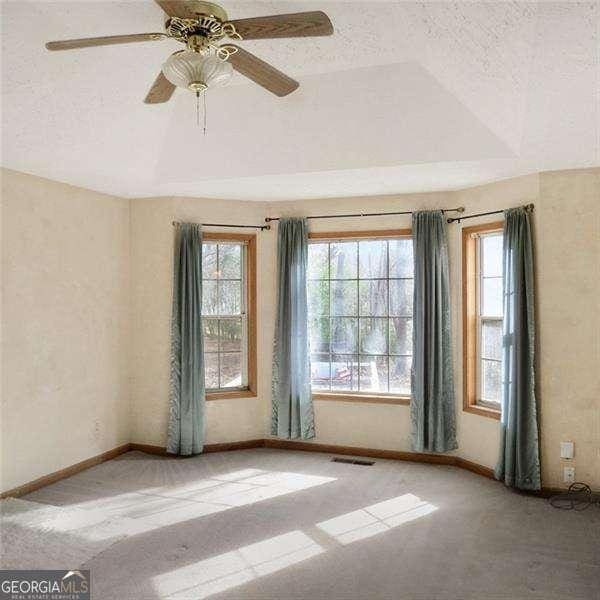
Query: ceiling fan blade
x=161, y=91
x=104, y=41
x=261, y=72
x=304, y=24
x=177, y=8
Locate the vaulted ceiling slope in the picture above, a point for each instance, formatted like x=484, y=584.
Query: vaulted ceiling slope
x=404, y=97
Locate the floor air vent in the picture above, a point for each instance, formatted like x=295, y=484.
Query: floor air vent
x=353, y=461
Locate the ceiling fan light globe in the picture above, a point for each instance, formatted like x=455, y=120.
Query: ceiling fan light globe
x=217, y=72
x=191, y=70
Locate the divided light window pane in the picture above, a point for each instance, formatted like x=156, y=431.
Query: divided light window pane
x=491, y=385
x=344, y=301
x=491, y=248
x=344, y=335
x=491, y=274
x=491, y=296
x=360, y=315
x=223, y=315
x=344, y=260
x=490, y=317
x=491, y=339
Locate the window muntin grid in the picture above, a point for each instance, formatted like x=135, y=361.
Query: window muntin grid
x=224, y=315
x=360, y=315
x=489, y=318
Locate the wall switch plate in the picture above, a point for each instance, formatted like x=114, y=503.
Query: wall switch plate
x=569, y=474
x=566, y=449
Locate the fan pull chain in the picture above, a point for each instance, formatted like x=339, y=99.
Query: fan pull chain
x=204, y=98
x=198, y=110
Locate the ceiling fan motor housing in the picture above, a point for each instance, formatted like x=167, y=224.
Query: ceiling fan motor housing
x=207, y=21
x=182, y=29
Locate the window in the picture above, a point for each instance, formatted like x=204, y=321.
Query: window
x=228, y=314
x=360, y=314
x=482, y=318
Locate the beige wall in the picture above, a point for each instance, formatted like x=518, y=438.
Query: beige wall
x=46, y=223
x=567, y=236
x=568, y=261
x=567, y=229
x=388, y=426
x=152, y=237
x=65, y=324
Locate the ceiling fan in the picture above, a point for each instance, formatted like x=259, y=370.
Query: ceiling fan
x=206, y=63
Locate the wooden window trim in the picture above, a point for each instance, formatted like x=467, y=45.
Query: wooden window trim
x=224, y=395
x=469, y=318
x=360, y=235
x=365, y=398
x=250, y=240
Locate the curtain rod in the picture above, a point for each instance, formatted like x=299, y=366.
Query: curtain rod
x=261, y=227
x=383, y=214
x=528, y=207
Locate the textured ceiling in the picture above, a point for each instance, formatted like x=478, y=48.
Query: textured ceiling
x=404, y=97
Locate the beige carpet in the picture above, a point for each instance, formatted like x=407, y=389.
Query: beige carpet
x=35, y=535
x=269, y=524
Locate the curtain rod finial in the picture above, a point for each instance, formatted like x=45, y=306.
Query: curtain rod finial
x=460, y=209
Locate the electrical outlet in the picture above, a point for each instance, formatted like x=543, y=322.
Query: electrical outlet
x=569, y=474
x=566, y=450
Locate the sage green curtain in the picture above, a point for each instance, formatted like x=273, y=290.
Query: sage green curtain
x=186, y=417
x=519, y=463
x=292, y=415
x=432, y=405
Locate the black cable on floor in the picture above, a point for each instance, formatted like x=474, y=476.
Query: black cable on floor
x=579, y=496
